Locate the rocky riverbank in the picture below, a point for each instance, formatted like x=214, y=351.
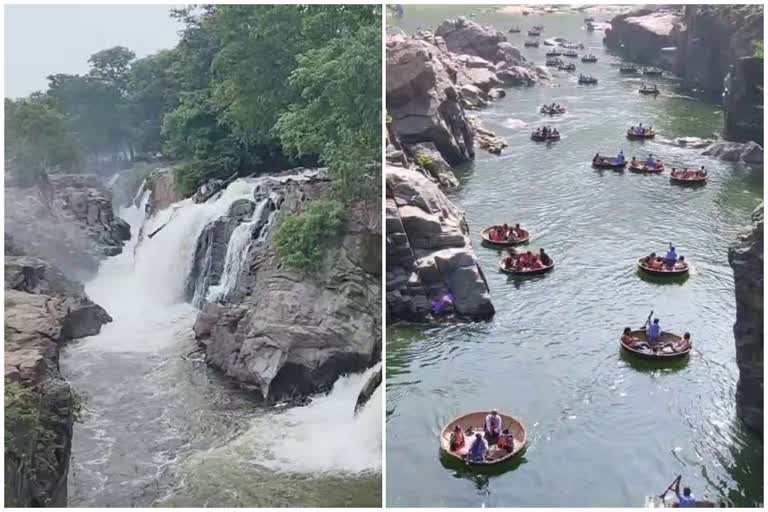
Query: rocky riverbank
x=746, y=259
x=66, y=219
x=434, y=77
x=284, y=333
x=710, y=47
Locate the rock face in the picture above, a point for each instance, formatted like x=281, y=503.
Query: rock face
x=710, y=47
x=433, y=77
x=286, y=333
x=67, y=220
x=162, y=184
x=43, y=309
x=750, y=152
x=746, y=259
x=428, y=251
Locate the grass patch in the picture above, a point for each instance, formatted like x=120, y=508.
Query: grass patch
x=302, y=239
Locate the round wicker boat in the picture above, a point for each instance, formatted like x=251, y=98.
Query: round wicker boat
x=535, y=272
x=665, y=339
x=531, y=44
x=552, y=111
x=486, y=234
x=694, y=180
x=589, y=58
x=588, y=81
x=664, y=273
x=647, y=135
x=476, y=421
x=645, y=169
x=653, y=72
x=609, y=163
x=628, y=69
x=548, y=138
x=553, y=53
x=648, y=91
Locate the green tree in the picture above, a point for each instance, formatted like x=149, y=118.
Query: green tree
x=111, y=66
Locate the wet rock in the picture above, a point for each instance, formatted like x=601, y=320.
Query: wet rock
x=487, y=139
x=428, y=158
x=162, y=184
x=368, y=390
x=641, y=34
x=746, y=258
x=743, y=101
x=749, y=152
x=467, y=37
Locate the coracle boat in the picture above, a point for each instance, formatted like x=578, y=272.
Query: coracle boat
x=570, y=53
x=515, y=30
x=533, y=272
x=553, y=53
x=538, y=27
x=589, y=58
x=609, y=163
x=476, y=422
x=589, y=20
x=694, y=179
x=486, y=234
x=627, y=69
x=531, y=44
x=570, y=67
x=648, y=90
x=591, y=27
x=552, y=110
x=639, y=166
x=534, y=33
x=652, y=72
x=664, y=349
x=661, y=500
x=556, y=63
x=545, y=138
x=587, y=80
x=647, y=134
x=665, y=272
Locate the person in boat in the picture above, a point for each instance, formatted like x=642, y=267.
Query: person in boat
x=555, y=133
x=509, y=261
x=671, y=257
x=519, y=232
x=505, y=230
x=457, y=439
x=654, y=332
x=597, y=158
x=492, y=427
x=658, y=263
x=685, y=500
x=674, y=172
x=536, y=263
x=634, y=162
x=620, y=157
x=701, y=172
x=506, y=441
x=478, y=449
x=681, y=263
x=682, y=345
x=650, y=162
x=544, y=257
x=627, y=338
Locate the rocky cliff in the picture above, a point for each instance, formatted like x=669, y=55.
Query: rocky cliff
x=711, y=48
x=746, y=259
x=429, y=254
x=67, y=220
x=43, y=309
x=286, y=333
x=433, y=77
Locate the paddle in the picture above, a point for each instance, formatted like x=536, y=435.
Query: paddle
x=647, y=321
x=675, y=482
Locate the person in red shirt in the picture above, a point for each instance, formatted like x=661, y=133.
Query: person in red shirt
x=520, y=232
x=457, y=438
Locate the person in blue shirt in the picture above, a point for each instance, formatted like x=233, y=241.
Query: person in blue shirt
x=478, y=449
x=492, y=427
x=686, y=500
x=650, y=162
x=671, y=257
x=620, y=157
x=654, y=332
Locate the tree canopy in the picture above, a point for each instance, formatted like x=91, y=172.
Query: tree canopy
x=248, y=89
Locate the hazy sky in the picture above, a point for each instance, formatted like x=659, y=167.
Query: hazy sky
x=44, y=39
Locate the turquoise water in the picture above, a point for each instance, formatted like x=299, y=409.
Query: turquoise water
x=604, y=429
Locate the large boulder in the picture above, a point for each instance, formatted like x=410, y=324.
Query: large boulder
x=423, y=102
x=288, y=333
x=468, y=37
x=641, y=35
x=750, y=152
x=746, y=259
x=743, y=101
x=429, y=253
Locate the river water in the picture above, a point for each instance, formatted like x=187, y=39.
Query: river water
x=159, y=428
x=604, y=430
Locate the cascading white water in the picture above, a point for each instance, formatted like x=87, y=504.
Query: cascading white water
x=148, y=417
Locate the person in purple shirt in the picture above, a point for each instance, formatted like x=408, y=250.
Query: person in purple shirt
x=654, y=332
x=478, y=449
x=671, y=257
x=686, y=500
x=492, y=427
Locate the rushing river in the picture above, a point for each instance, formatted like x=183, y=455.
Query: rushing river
x=161, y=429
x=604, y=430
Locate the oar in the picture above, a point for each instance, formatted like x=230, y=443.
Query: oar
x=676, y=481
x=648, y=320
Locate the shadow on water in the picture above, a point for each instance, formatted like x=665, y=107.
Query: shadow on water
x=480, y=475
x=653, y=366
x=650, y=278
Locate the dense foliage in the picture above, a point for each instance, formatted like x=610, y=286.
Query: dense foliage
x=303, y=238
x=248, y=89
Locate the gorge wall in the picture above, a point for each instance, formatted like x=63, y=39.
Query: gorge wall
x=710, y=47
x=66, y=220
x=746, y=259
